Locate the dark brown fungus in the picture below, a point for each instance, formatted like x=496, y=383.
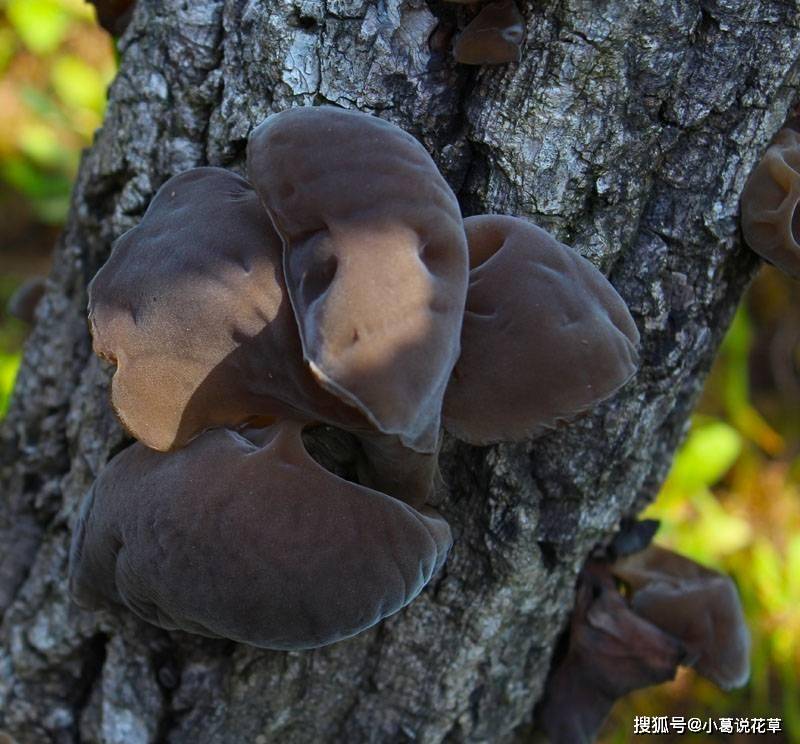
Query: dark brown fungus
x=114, y=15
x=192, y=308
x=771, y=204
x=611, y=651
x=699, y=606
x=24, y=301
x=375, y=260
x=633, y=536
x=244, y=536
x=545, y=335
x=493, y=37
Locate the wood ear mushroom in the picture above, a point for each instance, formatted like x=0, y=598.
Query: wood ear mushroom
x=334, y=287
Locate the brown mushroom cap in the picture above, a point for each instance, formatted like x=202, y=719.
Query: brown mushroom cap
x=699, y=606
x=244, y=536
x=545, y=335
x=192, y=308
x=770, y=204
x=375, y=260
x=493, y=37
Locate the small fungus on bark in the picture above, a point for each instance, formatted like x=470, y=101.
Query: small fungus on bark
x=698, y=606
x=771, y=204
x=610, y=652
x=493, y=37
x=114, y=15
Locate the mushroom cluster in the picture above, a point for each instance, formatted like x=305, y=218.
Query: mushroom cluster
x=338, y=285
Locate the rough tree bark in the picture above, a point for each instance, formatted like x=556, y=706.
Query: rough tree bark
x=628, y=129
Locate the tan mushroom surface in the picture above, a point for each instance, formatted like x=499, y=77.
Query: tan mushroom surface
x=771, y=204
x=493, y=37
x=695, y=604
x=375, y=260
x=545, y=335
x=244, y=536
x=193, y=310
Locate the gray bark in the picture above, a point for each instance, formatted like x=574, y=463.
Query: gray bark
x=628, y=130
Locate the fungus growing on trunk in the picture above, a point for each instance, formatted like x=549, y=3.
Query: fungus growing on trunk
x=332, y=291
x=114, y=15
x=771, y=204
x=698, y=606
x=192, y=308
x=493, y=37
x=611, y=651
x=244, y=536
x=545, y=335
x=375, y=260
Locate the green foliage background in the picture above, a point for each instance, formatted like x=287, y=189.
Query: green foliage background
x=732, y=500
x=55, y=64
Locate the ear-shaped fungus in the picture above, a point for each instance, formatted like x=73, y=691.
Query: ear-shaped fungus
x=493, y=37
x=771, y=204
x=375, y=260
x=244, y=536
x=611, y=651
x=192, y=308
x=545, y=335
x=699, y=606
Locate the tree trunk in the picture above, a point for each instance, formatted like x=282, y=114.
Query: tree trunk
x=628, y=130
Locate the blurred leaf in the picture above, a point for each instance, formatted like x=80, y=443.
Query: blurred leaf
x=78, y=84
x=7, y=47
x=9, y=364
x=48, y=192
x=42, y=105
x=78, y=9
x=766, y=574
x=714, y=533
x=709, y=452
x=52, y=210
x=735, y=350
x=753, y=425
x=40, y=144
x=32, y=181
x=41, y=24
x=793, y=569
